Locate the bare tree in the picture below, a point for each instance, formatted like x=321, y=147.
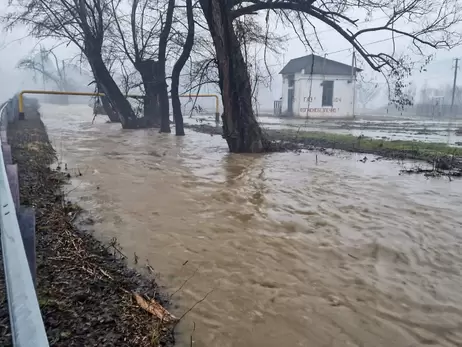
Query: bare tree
x=425, y=23
x=83, y=23
x=49, y=70
x=367, y=90
x=109, y=109
x=178, y=67
x=143, y=37
x=253, y=40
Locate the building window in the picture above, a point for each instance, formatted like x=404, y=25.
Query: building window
x=291, y=80
x=327, y=93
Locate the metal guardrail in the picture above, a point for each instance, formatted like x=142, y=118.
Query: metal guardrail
x=26, y=322
x=17, y=228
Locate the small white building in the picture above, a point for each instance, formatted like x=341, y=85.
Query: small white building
x=313, y=86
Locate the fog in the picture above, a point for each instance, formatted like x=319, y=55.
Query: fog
x=16, y=45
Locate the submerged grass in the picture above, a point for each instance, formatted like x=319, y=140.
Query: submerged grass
x=288, y=139
x=362, y=143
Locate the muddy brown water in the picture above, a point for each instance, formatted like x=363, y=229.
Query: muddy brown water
x=297, y=254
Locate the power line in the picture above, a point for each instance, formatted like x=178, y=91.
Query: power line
x=454, y=84
x=348, y=49
x=332, y=29
x=364, y=45
x=368, y=44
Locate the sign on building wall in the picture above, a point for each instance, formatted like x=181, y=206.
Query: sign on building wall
x=310, y=99
x=319, y=110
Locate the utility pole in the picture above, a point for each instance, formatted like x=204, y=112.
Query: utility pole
x=43, y=65
x=353, y=80
x=63, y=75
x=454, y=84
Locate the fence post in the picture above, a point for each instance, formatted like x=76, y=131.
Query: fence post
x=7, y=158
x=26, y=221
x=12, y=174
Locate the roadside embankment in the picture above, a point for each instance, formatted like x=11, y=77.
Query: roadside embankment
x=86, y=293
x=441, y=155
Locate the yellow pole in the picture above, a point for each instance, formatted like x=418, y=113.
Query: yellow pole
x=20, y=107
x=217, y=110
x=53, y=92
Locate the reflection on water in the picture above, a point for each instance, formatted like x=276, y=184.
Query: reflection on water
x=338, y=253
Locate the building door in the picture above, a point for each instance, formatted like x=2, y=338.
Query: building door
x=327, y=93
x=290, y=95
x=290, y=102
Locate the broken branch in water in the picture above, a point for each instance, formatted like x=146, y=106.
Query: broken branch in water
x=191, y=336
x=116, y=246
x=192, y=307
x=182, y=285
x=149, y=267
x=154, y=308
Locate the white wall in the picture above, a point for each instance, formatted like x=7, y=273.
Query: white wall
x=305, y=107
x=285, y=90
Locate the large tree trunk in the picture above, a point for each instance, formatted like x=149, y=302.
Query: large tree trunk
x=240, y=127
x=147, y=70
x=108, y=107
x=151, y=106
x=111, y=90
x=109, y=111
x=163, y=100
x=106, y=104
x=161, y=76
x=156, y=104
x=176, y=104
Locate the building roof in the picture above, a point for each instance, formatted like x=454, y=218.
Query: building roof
x=319, y=65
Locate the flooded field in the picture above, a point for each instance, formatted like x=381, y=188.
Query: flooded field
x=384, y=127
x=290, y=252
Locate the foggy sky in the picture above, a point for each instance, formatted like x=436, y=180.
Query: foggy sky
x=16, y=45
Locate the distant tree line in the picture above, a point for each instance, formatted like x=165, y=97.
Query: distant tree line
x=149, y=43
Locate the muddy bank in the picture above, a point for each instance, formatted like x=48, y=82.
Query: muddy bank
x=85, y=291
x=443, y=157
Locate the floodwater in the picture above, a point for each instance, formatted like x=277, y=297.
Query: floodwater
x=383, y=127
x=292, y=252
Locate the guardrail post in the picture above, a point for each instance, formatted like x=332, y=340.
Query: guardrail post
x=18, y=248
x=26, y=221
x=7, y=158
x=12, y=173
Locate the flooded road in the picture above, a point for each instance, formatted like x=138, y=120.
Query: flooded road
x=292, y=253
